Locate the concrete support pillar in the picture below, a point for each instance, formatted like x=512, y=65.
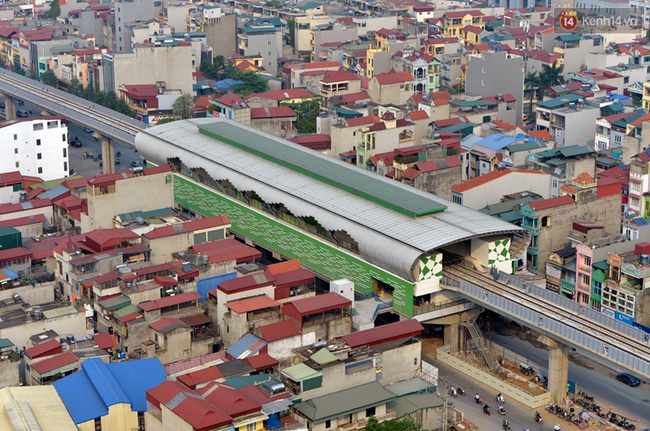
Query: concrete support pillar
x=108, y=154
x=10, y=107
x=452, y=337
x=558, y=367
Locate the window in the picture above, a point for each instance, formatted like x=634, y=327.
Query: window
x=546, y=221
x=65, y=166
x=251, y=426
x=370, y=412
x=269, y=53
x=588, y=260
x=269, y=42
x=17, y=164
x=65, y=152
x=39, y=156
x=63, y=137
x=40, y=170
x=457, y=199
x=618, y=138
x=38, y=142
x=555, y=184
x=15, y=137
x=98, y=424
x=328, y=424
x=38, y=126
x=15, y=150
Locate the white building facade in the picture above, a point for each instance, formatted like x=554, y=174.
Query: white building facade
x=35, y=147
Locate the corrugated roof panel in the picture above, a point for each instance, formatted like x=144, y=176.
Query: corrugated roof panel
x=333, y=174
x=386, y=238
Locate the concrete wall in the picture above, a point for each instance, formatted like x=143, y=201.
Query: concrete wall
x=390, y=94
x=70, y=324
x=42, y=293
x=151, y=64
x=127, y=11
x=402, y=363
x=141, y=193
x=493, y=73
x=274, y=126
x=283, y=349
x=439, y=182
x=335, y=379
x=9, y=373
x=605, y=211
x=269, y=46
x=162, y=248
x=492, y=192
x=329, y=329
x=221, y=35
x=509, y=391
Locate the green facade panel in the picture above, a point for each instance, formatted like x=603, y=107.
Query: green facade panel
x=316, y=255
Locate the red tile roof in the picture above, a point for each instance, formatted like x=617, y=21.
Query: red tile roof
x=551, y=203
x=110, y=237
x=503, y=125
x=393, y=78
x=168, y=324
x=318, y=303
x=334, y=76
x=168, y=301
x=313, y=141
x=639, y=121
x=462, y=14
x=439, y=164
x=261, y=362
x=541, y=134
x=272, y=112
x=286, y=266
x=228, y=400
x=351, y=98
x=230, y=99
x=25, y=206
x=129, y=317
x=196, y=411
x=188, y=226
x=14, y=254
x=226, y=250
x=418, y=115
x=47, y=348
x=252, y=304
x=105, y=340
x=247, y=283
x=278, y=95
x=362, y=121
x=51, y=364
x=411, y=173
x=23, y=221
x=195, y=378
x=279, y=330
x=15, y=177
x=382, y=334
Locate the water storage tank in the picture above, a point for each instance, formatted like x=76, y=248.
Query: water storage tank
x=645, y=259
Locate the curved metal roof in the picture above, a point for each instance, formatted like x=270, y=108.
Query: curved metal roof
x=389, y=239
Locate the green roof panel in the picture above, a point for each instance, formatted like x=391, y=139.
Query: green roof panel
x=352, y=181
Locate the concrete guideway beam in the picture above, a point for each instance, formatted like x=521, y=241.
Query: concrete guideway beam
x=558, y=366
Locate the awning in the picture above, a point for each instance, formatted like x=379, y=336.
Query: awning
x=115, y=303
x=137, y=258
x=277, y=406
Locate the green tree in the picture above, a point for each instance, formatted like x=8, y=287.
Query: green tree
x=307, y=113
x=182, y=105
x=49, y=78
x=75, y=87
x=165, y=121
x=55, y=10
x=252, y=82
x=532, y=83
x=110, y=100
x=291, y=32
x=550, y=76
x=405, y=424
x=123, y=108
x=17, y=68
x=32, y=74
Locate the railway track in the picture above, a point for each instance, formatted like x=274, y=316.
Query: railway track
x=607, y=336
x=41, y=90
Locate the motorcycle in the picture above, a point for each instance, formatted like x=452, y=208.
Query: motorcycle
x=500, y=399
x=502, y=411
x=557, y=428
x=477, y=399
x=538, y=418
x=486, y=410
x=505, y=425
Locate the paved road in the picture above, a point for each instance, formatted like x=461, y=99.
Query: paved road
x=595, y=379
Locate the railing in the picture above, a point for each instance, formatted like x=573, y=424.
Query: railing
x=427, y=308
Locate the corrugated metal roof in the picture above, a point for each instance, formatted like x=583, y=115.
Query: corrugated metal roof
x=386, y=238
x=337, y=175
x=246, y=346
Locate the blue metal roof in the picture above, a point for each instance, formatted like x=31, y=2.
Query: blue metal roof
x=88, y=393
x=640, y=221
x=248, y=345
x=497, y=141
x=53, y=193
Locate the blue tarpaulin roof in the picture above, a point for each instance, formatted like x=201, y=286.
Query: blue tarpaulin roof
x=248, y=345
x=227, y=84
x=88, y=393
x=497, y=141
x=10, y=273
x=640, y=221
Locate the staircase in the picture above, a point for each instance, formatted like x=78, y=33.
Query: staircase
x=480, y=345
